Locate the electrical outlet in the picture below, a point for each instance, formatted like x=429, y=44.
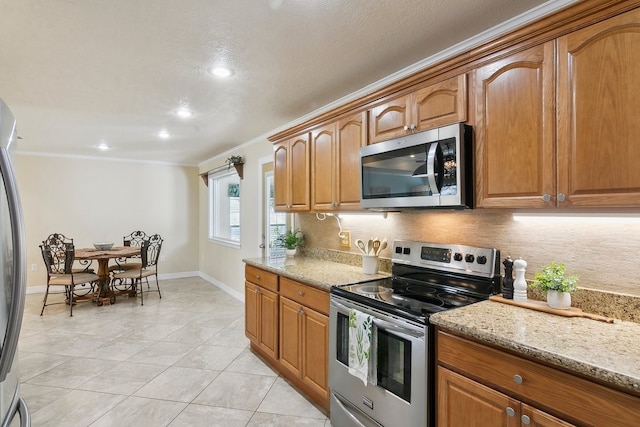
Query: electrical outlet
x=34, y=267
x=345, y=240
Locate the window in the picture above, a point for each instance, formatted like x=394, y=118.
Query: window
x=224, y=207
x=276, y=222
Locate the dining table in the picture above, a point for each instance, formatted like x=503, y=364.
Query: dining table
x=103, y=256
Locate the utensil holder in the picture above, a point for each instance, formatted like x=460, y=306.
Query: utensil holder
x=369, y=264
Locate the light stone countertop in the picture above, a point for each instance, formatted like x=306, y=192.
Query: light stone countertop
x=319, y=273
x=606, y=352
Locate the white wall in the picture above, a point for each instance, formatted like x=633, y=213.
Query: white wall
x=93, y=200
x=222, y=264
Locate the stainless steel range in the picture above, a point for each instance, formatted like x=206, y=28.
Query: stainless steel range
x=381, y=355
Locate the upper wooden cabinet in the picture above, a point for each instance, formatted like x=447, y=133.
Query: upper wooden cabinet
x=599, y=113
x=515, y=129
x=532, y=152
x=435, y=105
x=335, y=163
x=292, y=174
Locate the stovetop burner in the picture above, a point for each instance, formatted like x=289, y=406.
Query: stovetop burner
x=418, y=290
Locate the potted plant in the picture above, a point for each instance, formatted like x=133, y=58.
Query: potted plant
x=291, y=240
x=556, y=285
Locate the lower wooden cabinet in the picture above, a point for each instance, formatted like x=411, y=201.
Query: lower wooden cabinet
x=289, y=328
x=261, y=318
x=485, y=386
x=463, y=402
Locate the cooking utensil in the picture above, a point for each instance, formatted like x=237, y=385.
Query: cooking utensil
x=360, y=245
x=375, y=246
x=383, y=246
x=369, y=244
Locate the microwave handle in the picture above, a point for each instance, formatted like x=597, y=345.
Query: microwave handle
x=431, y=173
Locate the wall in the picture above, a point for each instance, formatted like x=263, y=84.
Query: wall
x=603, y=254
x=95, y=200
x=219, y=263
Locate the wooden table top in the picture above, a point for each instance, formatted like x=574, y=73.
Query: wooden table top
x=115, y=252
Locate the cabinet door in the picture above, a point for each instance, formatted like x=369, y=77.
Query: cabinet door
x=323, y=145
x=532, y=417
x=463, y=402
x=251, y=304
x=315, y=351
x=388, y=120
x=290, y=336
x=268, y=338
x=352, y=135
x=515, y=130
x=599, y=107
x=299, y=176
x=281, y=175
x=441, y=103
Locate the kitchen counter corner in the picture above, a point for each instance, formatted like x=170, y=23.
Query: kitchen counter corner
x=605, y=352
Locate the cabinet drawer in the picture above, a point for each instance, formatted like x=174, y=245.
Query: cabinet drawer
x=305, y=295
x=261, y=277
x=555, y=391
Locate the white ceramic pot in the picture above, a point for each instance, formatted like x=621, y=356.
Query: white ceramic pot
x=291, y=252
x=559, y=300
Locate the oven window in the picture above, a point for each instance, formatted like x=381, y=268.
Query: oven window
x=342, y=338
x=394, y=364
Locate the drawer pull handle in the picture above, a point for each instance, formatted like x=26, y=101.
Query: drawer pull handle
x=300, y=293
x=525, y=420
x=257, y=277
x=510, y=411
x=517, y=378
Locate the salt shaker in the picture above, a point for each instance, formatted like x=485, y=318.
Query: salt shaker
x=507, y=284
x=519, y=285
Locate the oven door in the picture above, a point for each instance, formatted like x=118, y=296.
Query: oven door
x=399, y=369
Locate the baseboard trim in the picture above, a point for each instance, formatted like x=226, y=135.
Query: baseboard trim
x=237, y=295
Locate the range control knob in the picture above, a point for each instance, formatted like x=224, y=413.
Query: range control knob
x=457, y=256
x=469, y=258
x=398, y=249
x=481, y=259
x=406, y=251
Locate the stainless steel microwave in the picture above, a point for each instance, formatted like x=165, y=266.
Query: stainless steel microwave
x=430, y=169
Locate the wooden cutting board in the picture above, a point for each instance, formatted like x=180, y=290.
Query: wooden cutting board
x=542, y=306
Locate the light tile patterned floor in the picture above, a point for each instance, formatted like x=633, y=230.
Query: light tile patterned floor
x=182, y=360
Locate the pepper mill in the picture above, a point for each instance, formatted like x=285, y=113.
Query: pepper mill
x=507, y=284
x=519, y=285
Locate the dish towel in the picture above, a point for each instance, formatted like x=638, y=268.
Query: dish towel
x=359, y=344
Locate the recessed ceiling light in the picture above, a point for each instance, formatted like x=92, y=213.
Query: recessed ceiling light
x=184, y=113
x=164, y=134
x=103, y=146
x=221, y=71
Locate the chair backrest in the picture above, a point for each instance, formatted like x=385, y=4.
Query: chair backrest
x=135, y=239
x=58, y=254
x=150, y=251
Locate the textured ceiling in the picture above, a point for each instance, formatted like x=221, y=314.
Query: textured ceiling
x=79, y=72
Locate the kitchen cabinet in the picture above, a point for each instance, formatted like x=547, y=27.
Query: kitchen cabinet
x=505, y=389
x=335, y=163
x=292, y=174
x=304, y=336
x=533, y=152
x=261, y=309
x=432, y=106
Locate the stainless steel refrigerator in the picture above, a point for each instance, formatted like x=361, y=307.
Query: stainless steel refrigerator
x=12, y=277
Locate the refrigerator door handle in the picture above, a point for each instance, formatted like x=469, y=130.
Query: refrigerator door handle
x=14, y=323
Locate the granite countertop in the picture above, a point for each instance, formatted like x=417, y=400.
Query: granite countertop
x=319, y=273
x=606, y=352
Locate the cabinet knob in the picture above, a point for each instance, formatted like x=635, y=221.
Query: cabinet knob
x=510, y=411
x=413, y=126
x=406, y=128
x=561, y=197
x=257, y=277
x=300, y=293
x=258, y=292
x=517, y=378
x=525, y=420
x=301, y=312
x=546, y=197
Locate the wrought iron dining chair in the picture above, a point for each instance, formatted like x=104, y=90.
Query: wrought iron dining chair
x=58, y=253
x=149, y=256
x=134, y=239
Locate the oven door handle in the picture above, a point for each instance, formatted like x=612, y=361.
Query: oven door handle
x=392, y=327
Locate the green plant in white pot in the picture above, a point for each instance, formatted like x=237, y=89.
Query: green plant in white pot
x=291, y=240
x=556, y=285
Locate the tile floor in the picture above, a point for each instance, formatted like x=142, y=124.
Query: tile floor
x=182, y=360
